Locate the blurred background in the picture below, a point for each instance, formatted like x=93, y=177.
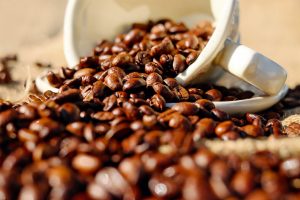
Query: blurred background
x=270, y=26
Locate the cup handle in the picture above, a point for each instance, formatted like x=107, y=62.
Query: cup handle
x=252, y=67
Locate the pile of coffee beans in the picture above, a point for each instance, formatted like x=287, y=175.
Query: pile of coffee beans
x=108, y=133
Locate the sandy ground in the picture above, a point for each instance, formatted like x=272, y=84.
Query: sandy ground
x=33, y=29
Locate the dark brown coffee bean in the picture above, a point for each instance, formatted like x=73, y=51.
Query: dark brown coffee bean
x=204, y=128
x=165, y=47
x=245, y=95
x=134, y=36
x=119, y=131
x=230, y=135
x=243, y=182
x=99, y=89
x=181, y=93
x=7, y=116
x=112, y=181
x=179, y=63
x=171, y=83
x=113, y=82
x=46, y=127
x=135, y=75
x=84, y=72
x=219, y=115
x=26, y=135
x=213, y=95
x=273, y=184
x=191, y=57
x=163, y=90
x=166, y=60
x=258, y=194
x=110, y=102
x=101, y=75
x=90, y=61
x=117, y=71
x=71, y=95
x=134, y=84
x=69, y=112
x=132, y=169
x=253, y=131
x=152, y=78
x=103, y=116
x=186, y=108
x=158, y=102
x=118, y=48
x=155, y=161
x=142, y=58
x=179, y=121
x=205, y=104
x=219, y=169
x=96, y=191
x=122, y=60
x=224, y=127
x=153, y=67
x=190, y=42
x=76, y=128
x=86, y=164
x=54, y=79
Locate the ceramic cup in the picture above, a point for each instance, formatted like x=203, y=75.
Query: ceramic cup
x=223, y=61
x=88, y=21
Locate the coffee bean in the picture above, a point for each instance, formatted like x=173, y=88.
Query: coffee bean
x=192, y=57
x=252, y=130
x=158, y=102
x=71, y=95
x=84, y=72
x=142, y=58
x=163, y=187
x=7, y=116
x=153, y=67
x=243, y=182
x=291, y=167
x=46, y=127
x=113, y=82
x=117, y=71
x=134, y=36
x=152, y=78
x=53, y=79
x=186, y=108
x=165, y=47
x=134, y=84
x=69, y=112
x=122, y=60
x=214, y=95
x=181, y=93
x=86, y=164
x=163, y=90
x=179, y=63
x=204, y=128
x=190, y=42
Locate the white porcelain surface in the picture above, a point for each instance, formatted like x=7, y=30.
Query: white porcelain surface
x=88, y=21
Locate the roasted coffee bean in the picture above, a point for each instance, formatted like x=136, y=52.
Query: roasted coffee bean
x=243, y=182
x=69, y=112
x=273, y=184
x=96, y=191
x=158, y=102
x=191, y=57
x=134, y=36
x=135, y=75
x=214, y=95
x=186, y=108
x=163, y=90
x=219, y=115
x=153, y=78
x=190, y=42
x=181, y=93
x=27, y=135
x=142, y=58
x=132, y=169
x=179, y=63
x=117, y=71
x=171, y=83
x=122, y=60
x=134, y=84
x=71, y=95
x=84, y=72
x=204, y=128
x=166, y=60
x=86, y=164
x=46, y=127
x=253, y=131
x=224, y=127
x=99, y=89
x=53, y=79
x=165, y=47
x=90, y=61
x=230, y=135
x=7, y=116
x=205, y=104
x=76, y=128
x=153, y=67
x=113, y=82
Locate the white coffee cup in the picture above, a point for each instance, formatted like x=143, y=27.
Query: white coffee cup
x=89, y=21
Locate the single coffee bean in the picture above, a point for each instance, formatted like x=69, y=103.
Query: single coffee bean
x=46, y=127
x=84, y=72
x=186, y=108
x=153, y=67
x=86, y=164
x=152, y=78
x=190, y=42
x=117, y=71
x=142, y=58
x=163, y=187
x=179, y=63
x=224, y=127
x=181, y=93
x=163, y=90
x=69, y=112
x=134, y=84
x=54, y=79
x=158, y=102
x=7, y=116
x=171, y=83
x=113, y=82
x=165, y=47
x=191, y=57
x=214, y=95
x=243, y=182
x=134, y=36
x=76, y=128
x=253, y=131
